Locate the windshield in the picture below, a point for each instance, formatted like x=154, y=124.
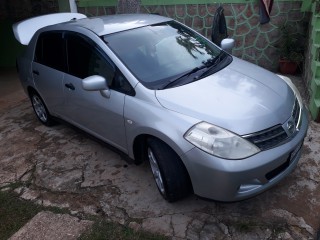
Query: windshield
x=159, y=54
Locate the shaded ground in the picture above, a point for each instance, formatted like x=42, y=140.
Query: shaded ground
x=63, y=167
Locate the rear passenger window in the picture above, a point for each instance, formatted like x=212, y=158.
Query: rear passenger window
x=50, y=50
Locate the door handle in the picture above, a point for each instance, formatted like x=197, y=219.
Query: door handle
x=35, y=72
x=70, y=86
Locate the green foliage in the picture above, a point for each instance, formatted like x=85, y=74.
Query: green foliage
x=290, y=46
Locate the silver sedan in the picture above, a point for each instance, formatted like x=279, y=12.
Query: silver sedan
x=208, y=122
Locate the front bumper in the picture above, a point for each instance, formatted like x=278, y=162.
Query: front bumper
x=233, y=180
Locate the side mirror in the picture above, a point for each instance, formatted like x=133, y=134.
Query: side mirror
x=96, y=83
x=227, y=44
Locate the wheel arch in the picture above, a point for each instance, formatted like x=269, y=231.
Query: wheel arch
x=177, y=181
x=139, y=149
x=31, y=90
x=49, y=121
x=139, y=144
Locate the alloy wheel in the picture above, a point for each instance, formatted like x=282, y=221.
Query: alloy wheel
x=156, y=171
x=39, y=108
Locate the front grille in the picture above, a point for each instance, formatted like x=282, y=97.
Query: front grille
x=274, y=136
x=268, y=138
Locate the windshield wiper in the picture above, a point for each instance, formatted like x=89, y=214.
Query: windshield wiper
x=187, y=74
x=212, y=63
x=208, y=65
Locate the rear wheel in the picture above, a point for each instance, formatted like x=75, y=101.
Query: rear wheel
x=170, y=174
x=41, y=110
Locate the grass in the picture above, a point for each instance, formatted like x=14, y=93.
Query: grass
x=16, y=212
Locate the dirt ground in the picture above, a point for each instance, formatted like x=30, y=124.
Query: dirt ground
x=64, y=167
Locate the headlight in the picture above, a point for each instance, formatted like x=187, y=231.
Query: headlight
x=296, y=93
x=294, y=89
x=219, y=142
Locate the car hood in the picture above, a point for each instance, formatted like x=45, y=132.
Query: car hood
x=242, y=98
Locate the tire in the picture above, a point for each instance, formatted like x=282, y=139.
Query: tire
x=41, y=110
x=170, y=174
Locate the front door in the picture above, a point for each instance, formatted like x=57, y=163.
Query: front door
x=89, y=110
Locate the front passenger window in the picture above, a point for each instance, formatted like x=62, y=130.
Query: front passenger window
x=85, y=60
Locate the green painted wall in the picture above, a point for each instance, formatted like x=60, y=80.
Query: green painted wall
x=64, y=5
x=314, y=64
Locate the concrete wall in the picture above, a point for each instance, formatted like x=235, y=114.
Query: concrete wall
x=254, y=42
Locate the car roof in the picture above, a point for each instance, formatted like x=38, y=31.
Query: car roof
x=103, y=25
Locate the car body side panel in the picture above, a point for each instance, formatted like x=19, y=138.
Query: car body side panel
x=24, y=66
x=89, y=110
x=48, y=83
x=144, y=115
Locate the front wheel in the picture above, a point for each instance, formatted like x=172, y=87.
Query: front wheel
x=170, y=174
x=41, y=110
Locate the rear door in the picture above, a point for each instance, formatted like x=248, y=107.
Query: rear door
x=48, y=69
x=89, y=110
